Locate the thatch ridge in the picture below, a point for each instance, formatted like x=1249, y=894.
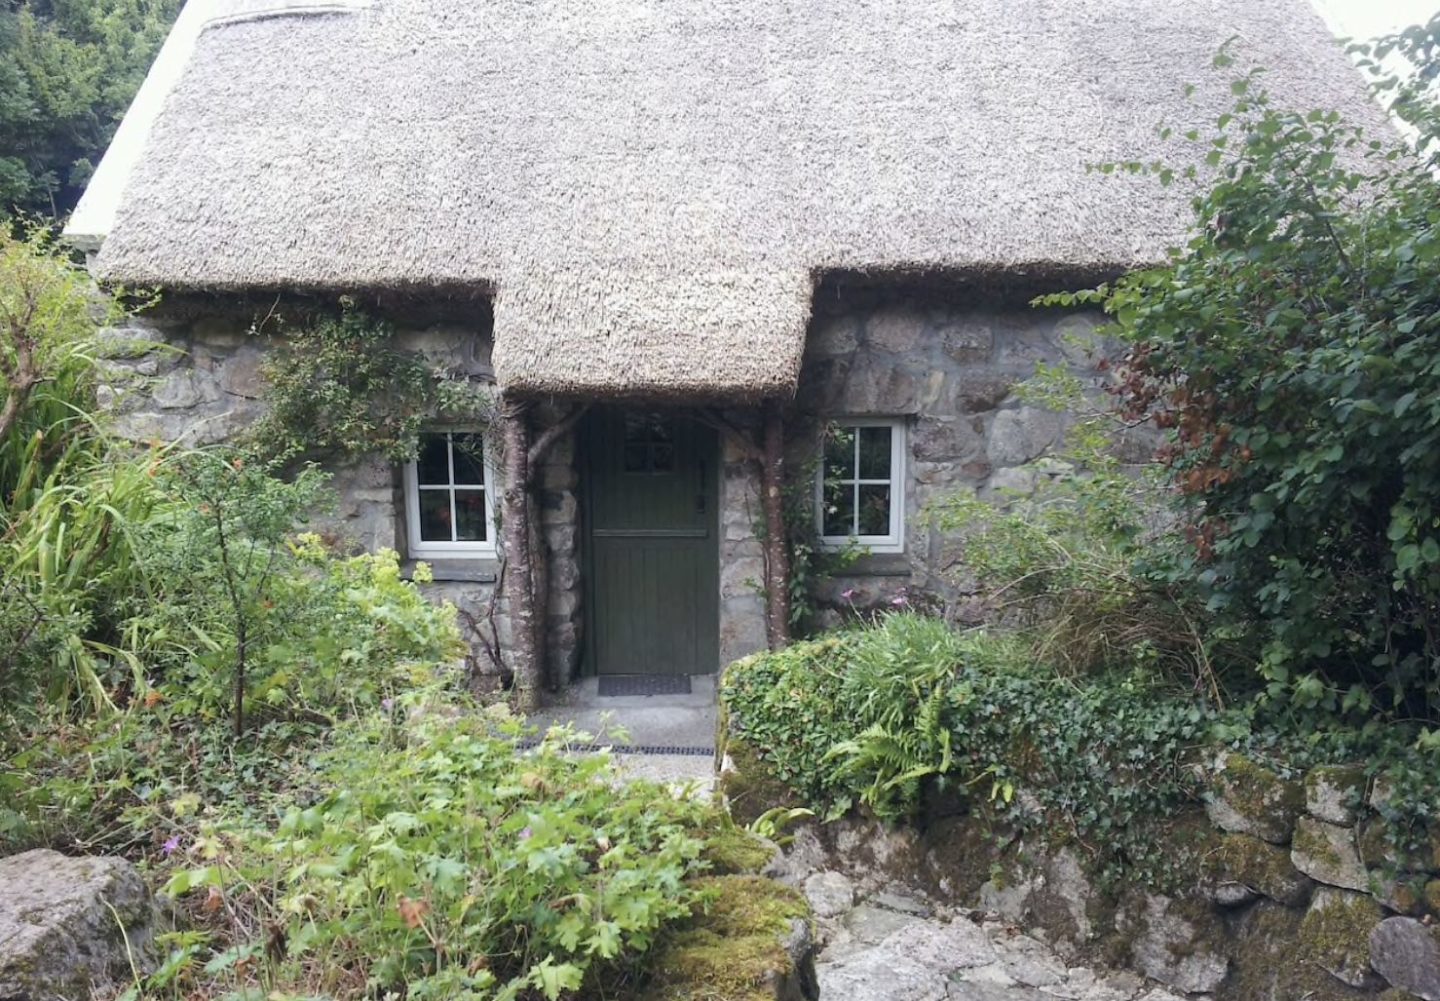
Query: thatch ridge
x=649, y=187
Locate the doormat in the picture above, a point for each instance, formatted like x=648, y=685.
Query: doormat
x=613, y=685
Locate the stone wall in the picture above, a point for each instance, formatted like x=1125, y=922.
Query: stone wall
x=195, y=377
x=1278, y=889
x=950, y=367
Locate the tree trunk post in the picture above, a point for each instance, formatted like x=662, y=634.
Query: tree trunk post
x=777, y=551
x=519, y=577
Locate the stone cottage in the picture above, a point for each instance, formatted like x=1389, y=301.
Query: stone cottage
x=680, y=239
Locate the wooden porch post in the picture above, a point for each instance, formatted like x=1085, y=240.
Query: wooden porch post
x=777, y=550
x=519, y=558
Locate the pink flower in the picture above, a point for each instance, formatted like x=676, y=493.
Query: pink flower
x=848, y=594
x=899, y=601
x=171, y=845
x=525, y=834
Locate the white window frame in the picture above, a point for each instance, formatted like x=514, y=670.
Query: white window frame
x=894, y=540
x=418, y=548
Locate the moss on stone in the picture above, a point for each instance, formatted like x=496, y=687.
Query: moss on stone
x=733, y=850
x=1396, y=994
x=1267, y=868
x=1257, y=793
x=1374, y=848
x=750, y=786
x=1267, y=964
x=734, y=948
x=1335, y=932
x=1432, y=896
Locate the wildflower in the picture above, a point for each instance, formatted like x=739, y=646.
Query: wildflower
x=525, y=834
x=899, y=601
x=848, y=594
x=171, y=845
x=387, y=704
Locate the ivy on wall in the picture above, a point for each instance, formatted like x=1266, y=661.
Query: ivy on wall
x=341, y=387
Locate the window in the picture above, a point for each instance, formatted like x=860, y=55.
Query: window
x=448, y=502
x=649, y=443
x=860, y=488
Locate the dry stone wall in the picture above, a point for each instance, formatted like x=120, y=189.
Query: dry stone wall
x=1281, y=889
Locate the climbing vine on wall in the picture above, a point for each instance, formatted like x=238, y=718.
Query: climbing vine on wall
x=341, y=387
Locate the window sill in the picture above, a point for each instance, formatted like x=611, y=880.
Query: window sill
x=481, y=570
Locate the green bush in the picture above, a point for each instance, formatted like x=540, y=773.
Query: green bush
x=1289, y=349
x=874, y=715
x=441, y=860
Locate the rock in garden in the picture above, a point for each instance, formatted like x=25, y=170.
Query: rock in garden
x=1246, y=798
x=65, y=924
x=830, y=894
x=1407, y=954
x=1328, y=853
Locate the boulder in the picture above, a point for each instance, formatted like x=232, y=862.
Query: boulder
x=72, y=927
x=1328, y=853
x=1407, y=954
x=1247, y=798
x=1332, y=792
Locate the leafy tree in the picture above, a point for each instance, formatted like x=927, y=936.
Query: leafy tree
x=1291, y=350
x=68, y=70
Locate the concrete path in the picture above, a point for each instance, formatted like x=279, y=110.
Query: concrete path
x=671, y=738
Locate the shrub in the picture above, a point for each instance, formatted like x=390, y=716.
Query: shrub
x=874, y=715
x=441, y=860
x=1289, y=349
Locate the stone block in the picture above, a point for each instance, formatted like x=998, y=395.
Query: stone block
x=1174, y=942
x=969, y=340
x=830, y=894
x=944, y=439
x=1248, y=798
x=1332, y=792
x=1335, y=935
x=1406, y=953
x=1327, y=853
x=241, y=375
x=833, y=335
x=1249, y=861
x=741, y=576
x=982, y=391
x=897, y=331
x=560, y=539
x=558, y=476
x=1402, y=893
x=1021, y=435
x=179, y=390
x=1075, y=335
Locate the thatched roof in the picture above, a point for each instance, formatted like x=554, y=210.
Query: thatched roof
x=651, y=187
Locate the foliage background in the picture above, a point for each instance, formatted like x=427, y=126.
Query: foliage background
x=68, y=71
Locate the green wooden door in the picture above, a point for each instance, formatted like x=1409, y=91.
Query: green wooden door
x=653, y=585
